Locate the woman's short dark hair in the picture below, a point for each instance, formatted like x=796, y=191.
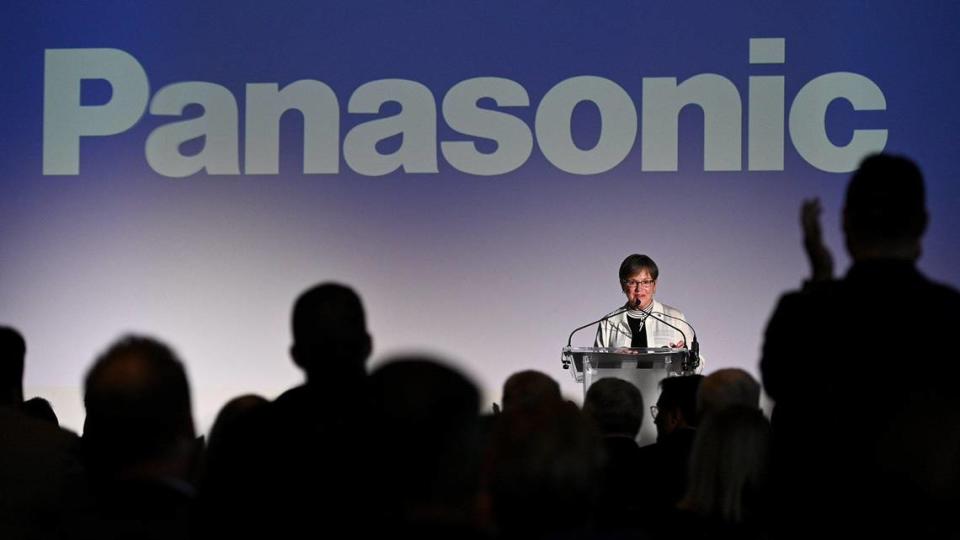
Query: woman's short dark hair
x=635, y=263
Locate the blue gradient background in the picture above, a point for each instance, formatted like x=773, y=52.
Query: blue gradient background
x=490, y=272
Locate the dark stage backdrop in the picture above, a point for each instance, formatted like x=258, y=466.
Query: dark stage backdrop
x=477, y=170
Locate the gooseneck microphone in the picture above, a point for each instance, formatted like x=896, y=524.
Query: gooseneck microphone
x=694, y=346
x=598, y=321
x=651, y=313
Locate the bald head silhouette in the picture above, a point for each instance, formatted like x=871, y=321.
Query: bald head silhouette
x=138, y=403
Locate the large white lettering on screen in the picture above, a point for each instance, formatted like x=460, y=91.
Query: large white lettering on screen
x=771, y=118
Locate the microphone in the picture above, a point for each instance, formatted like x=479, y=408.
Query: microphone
x=610, y=316
x=694, y=346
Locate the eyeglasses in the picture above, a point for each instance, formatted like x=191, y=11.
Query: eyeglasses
x=654, y=411
x=634, y=284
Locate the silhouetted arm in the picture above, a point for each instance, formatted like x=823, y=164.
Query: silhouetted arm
x=821, y=261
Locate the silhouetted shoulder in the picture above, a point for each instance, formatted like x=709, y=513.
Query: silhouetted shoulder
x=42, y=475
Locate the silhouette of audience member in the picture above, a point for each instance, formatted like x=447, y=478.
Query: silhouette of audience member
x=724, y=388
x=676, y=408
x=229, y=420
x=139, y=441
x=728, y=476
x=41, y=475
x=227, y=459
x=13, y=351
x=426, y=417
x=864, y=442
x=542, y=473
x=530, y=389
x=616, y=407
x=39, y=408
x=311, y=443
x=665, y=462
x=330, y=338
x=224, y=454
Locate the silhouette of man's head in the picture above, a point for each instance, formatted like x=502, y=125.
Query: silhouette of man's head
x=677, y=404
x=330, y=330
x=227, y=434
x=530, y=388
x=538, y=462
x=726, y=387
x=425, y=415
x=885, y=212
x=138, y=404
x=39, y=408
x=13, y=349
x=616, y=406
x=423, y=393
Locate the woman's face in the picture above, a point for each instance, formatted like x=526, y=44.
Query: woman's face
x=640, y=288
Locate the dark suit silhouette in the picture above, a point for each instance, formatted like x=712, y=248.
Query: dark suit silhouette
x=866, y=429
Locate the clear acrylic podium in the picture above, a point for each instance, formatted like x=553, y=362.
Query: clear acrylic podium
x=643, y=366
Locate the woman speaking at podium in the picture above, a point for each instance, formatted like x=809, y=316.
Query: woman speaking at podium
x=642, y=321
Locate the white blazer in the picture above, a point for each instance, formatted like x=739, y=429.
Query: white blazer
x=615, y=331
